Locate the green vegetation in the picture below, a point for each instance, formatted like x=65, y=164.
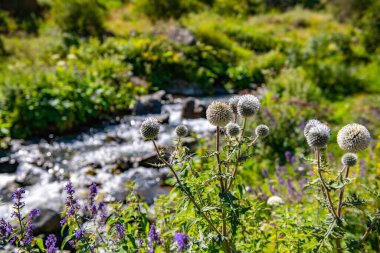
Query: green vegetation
x=77, y=65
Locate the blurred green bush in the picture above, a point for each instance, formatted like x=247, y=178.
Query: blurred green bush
x=80, y=17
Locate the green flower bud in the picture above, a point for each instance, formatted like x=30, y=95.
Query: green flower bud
x=318, y=136
x=181, y=131
x=311, y=123
x=248, y=105
x=150, y=128
x=232, y=102
x=233, y=130
x=262, y=131
x=349, y=159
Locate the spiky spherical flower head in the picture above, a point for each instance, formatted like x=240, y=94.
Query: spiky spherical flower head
x=311, y=123
x=248, y=105
x=275, y=201
x=150, y=128
x=219, y=114
x=318, y=136
x=354, y=138
x=349, y=159
x=232, y=102
x=181, y=131
x=232, y=129
x=262, y=131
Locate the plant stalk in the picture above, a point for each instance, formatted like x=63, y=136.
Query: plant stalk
x=324, y=186
x=188, y=195
x=237, y=155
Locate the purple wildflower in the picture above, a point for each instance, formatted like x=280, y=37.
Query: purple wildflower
x=290, y=187
x=272, y=189
x=72, y=243
x=280, y=178
x=50, y=243
x=265, y=173
x=182, y=240
x=71, y=203
x=103, y=211
x=6, y=229
x=120, y=230
x=288, y=156
x=153, y=238
x=79, y=234
x=154, y=235
x=28, y=238
x=17, y=196
x=92, y=195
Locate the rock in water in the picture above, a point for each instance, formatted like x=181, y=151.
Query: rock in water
x=192, y=109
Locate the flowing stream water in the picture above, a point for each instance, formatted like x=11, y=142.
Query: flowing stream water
x=111, y=156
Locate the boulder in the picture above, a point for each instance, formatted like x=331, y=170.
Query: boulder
x=181, y=35
x=147, y=183
x=8, y=165
x=192, y=109
x=28, y=174
x=149, y=104
x=47, y=223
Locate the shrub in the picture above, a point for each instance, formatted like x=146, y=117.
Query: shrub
x=80, y=17
x=236, y=7
x=166, y=9
x=371, y=28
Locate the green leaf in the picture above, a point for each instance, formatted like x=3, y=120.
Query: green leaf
x=40, y=243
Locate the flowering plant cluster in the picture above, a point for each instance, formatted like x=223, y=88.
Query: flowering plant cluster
x=209, y=208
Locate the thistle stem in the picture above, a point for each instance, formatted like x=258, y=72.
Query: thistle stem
x=237, y=155
x=187, y=193
x=223, y=186
x=324, y=186
x=217, y=154
x=339, y=209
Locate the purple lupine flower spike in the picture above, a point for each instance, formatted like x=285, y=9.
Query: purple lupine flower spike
x=17, y=196
x=120, y=230
x=71, y=203
x=92, y=195
x=265, y=172
x=79, y=234
x=50, y=243
x=182, y=241
x=29, y=226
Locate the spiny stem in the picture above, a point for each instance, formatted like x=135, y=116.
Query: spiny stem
x=223, y=186
x=339, y=209
x=324, y=186
x=187, y=194
x=238, y=154
x=217, y=154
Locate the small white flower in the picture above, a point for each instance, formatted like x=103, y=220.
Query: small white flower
x=275, y=201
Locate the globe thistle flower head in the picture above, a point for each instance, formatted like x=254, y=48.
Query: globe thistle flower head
x=275, y=201
x=262, y=131
x=233, y=129
x=219, y=114
x=318, y=136
x=181, y=131
x=150, y=128
x=311, y=123
x=248, y=105
x=232, y=102
x=349, y=159
x=354, y=138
